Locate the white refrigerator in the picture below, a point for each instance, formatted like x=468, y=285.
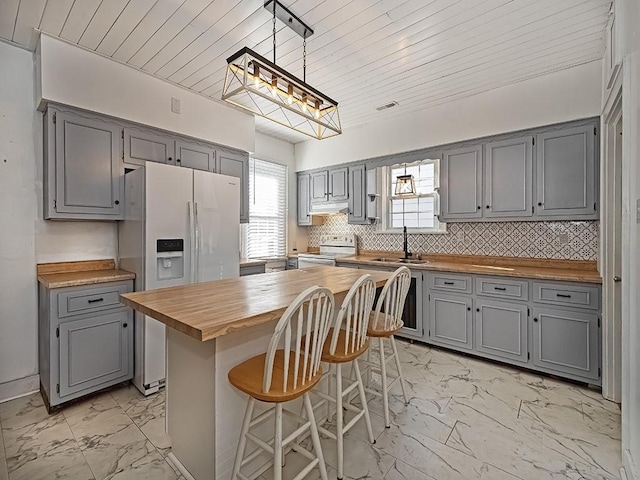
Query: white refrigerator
x=181, y=226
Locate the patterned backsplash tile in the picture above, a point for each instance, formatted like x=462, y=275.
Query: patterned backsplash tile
x=503, y=239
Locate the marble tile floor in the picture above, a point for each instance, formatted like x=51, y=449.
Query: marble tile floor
x=466, y=419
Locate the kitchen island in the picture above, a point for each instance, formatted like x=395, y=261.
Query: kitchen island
x=213, y=327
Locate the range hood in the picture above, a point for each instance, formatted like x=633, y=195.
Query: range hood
x=329, y=208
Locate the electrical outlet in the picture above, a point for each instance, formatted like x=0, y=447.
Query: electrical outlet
x=175, y=105
x=563, y=238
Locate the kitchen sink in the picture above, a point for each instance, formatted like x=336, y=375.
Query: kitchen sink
x=400, y=260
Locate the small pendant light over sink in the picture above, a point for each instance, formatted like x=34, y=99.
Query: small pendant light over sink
x=255, y=84
x=405, y=185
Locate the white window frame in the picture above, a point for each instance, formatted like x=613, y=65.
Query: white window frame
x=244, y=227
x=387, y=196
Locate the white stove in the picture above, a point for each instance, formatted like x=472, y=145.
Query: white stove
x=331, y=247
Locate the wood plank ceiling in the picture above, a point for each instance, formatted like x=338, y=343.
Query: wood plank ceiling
x=364, y=54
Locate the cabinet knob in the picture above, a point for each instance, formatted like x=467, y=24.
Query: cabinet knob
x=117, y=202
x=488, y=206
x=479, y=207
x=539, y=204
x=125, y=325
x=535, y=320
x=617, y=279
x=477, y=310
x=169, y=158
x=178, y=160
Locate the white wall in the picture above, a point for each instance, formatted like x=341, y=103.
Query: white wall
x=562, y=96
x=74, y=76
x=26, y=239
x=279, y=151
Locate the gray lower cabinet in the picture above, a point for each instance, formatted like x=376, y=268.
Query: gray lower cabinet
x=304, y=184
x=195, y=155
x=236, y=165
x=252, y=269
x=461, y=184
x=85, y=340
x=142, y=146
x=566, y=173
x=508, y=178
x=82, y=172
x=358, y=196
x=450, y=320
x=566, y=342
x=500, y=330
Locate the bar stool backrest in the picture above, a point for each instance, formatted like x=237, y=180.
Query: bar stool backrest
x=390, y=305
x=354, y=316
x=310, y=313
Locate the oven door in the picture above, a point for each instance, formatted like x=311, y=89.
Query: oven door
x=307, y=262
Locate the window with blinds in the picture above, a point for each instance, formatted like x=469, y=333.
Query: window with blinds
x=266, y=233
x=417, y=212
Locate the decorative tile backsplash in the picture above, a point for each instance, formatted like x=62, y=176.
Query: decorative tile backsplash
x=559, y=240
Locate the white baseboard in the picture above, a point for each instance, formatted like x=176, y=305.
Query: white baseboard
x=19, y=388
x=185, y=473
x=629, y=468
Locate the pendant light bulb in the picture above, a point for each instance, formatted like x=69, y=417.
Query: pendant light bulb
x=317, y=109
x=274, y=86
x=304, y=102
x=256, y=75
x=290, y=92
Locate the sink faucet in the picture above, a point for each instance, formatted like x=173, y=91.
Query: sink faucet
x=405, y=244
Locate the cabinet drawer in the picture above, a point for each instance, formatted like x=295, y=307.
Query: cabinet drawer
x=87, y=300
x=502, y=288
x=452, y=283
x=566, y=295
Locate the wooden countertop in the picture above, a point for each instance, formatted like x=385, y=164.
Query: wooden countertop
x=211, y=309
x=73, y=274
x=544, y=269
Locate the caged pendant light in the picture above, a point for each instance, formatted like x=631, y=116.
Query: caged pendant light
x=255, y=84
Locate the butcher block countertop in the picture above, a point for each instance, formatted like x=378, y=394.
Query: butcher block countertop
x=209, y=310
x=538, y=268
x=73, y=274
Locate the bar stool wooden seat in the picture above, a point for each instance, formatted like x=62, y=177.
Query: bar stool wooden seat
x=385, y=322
x=289, y=369
x=347, y=341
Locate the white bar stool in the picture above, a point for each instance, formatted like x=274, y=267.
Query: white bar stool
x=281, y=375
x=385, y=321
x=347, y=341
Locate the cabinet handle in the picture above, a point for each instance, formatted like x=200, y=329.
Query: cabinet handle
x=169, y=158
x=125, y=325
x=177, y=160
x=117, y=202
x=535, y=320
x=563, y=295
x=502, y=289
x=95, y=300
x=617, y=279
x=449, y=283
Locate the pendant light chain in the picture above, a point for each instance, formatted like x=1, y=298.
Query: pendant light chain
x=274, y=32
x=304, y=59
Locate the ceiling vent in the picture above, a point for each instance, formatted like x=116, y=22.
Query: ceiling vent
x=388, y=105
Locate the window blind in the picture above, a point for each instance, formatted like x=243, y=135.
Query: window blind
x=266, y=233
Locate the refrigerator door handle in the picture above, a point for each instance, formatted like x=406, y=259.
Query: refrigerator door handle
x=191, y=244
x=197, y=243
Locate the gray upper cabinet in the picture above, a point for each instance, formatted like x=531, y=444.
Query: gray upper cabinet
x=508, y=187
x=461, y=184
x=236, y=165
x=319, y=187
x=358, y=195
x=195, y=155
x=566, y=173
x=82, y=167
x=142, y=146
x=338, y=185
x=501, y=330
x=303, y=216
x=450, y=320
x=566, y=341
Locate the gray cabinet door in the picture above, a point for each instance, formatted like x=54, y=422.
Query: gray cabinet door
x=142, y=146
x=87, y=166
x=508, y=178
x=338, y=185
x=566, y=342
x=95, y=351
x=319, y=187
x=303, y=216
x=236, y=165
x=566, y=173
x=450, y=320
x=194, y=155
x=501, y=330
x=358, y=195
x=461, y=184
